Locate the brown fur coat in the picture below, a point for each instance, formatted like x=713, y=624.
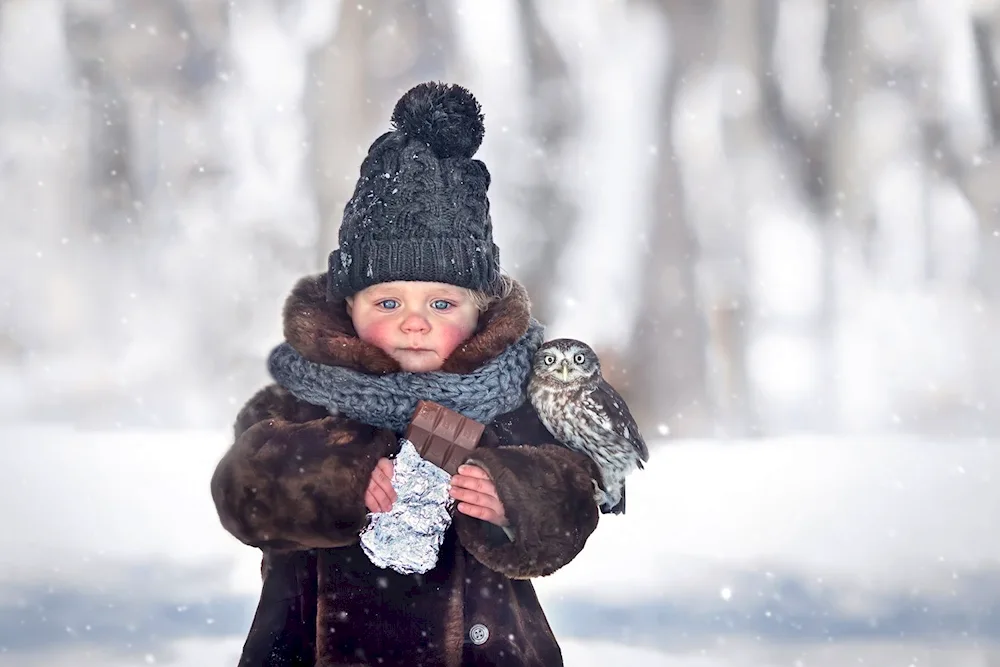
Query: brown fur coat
x=293, y=485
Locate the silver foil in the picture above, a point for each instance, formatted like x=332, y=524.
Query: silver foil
x=407, y=537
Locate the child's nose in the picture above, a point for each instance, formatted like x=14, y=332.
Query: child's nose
x=415, y=323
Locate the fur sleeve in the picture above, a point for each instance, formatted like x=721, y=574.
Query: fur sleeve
x=548, y=495
x=293, y=479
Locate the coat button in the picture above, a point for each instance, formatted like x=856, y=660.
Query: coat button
x=479, y=633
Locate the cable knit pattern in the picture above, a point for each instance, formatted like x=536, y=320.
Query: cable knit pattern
x=388, y=401
x=420, y=209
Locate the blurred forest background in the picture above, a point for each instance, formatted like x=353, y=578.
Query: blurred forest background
x=768, y=216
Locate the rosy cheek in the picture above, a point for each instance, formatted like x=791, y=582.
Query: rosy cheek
x=450, y=337
x=379, y=334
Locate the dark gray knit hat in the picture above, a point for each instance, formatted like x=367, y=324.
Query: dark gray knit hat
x=419, y=210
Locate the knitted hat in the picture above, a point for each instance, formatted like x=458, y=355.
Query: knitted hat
x=419, y=210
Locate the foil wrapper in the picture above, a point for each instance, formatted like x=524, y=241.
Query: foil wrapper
x=407, y=537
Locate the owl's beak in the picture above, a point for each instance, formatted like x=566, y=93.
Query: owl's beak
x=564, y=370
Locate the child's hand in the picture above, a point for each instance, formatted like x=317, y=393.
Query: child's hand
x=477, y=495
x=379, y=496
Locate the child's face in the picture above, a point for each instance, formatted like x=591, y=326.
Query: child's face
x=416, y=323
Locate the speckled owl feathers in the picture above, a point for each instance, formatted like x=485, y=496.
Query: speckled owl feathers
x=586, y=414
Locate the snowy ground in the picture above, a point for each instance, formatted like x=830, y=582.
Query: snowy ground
x=799, y=552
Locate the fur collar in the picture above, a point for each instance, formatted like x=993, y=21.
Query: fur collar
x=322, y=331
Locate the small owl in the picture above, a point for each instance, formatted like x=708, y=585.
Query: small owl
x=586, y=414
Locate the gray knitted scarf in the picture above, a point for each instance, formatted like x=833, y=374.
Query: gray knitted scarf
x=388, y=401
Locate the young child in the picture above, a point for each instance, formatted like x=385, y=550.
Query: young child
x=413, y=307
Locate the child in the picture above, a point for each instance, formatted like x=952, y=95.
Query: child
x=413, y=306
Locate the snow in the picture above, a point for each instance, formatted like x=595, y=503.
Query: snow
x=742, y=553
x=792, y=540
x=797, y=551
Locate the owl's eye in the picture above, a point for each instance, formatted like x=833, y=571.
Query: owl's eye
x=579, y=358
x=549, y=359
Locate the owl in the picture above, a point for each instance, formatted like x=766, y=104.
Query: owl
x=586, y=414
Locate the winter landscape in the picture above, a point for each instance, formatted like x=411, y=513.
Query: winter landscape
x=808, y=551
x=776, y=221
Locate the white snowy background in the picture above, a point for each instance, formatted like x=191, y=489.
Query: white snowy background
x=776, y=220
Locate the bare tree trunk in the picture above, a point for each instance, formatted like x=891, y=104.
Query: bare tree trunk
x=983, y=31
x=668, y=359
x=729, y=310
x=554, y=125
x=157, y=50
x=343, y=117
x=111, y=168
x=109, y=181
x=979, y=183
x=801, y=147
x=975, y=178
x=845, y=221
x=846, y=65
x=354, y=81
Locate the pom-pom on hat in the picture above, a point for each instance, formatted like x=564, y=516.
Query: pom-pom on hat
x=419, y=210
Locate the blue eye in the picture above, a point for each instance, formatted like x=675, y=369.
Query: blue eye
x=388, y=304
x=440, y=304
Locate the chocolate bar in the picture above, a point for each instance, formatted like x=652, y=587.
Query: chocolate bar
x=443, y=436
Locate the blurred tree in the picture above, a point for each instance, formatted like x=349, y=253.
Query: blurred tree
x=821, y=157
x=844, y=200
x=738, y=34
x=827, y=162
x=668, y=361
x=554, y=124
x=984, y=35
x=111, y=180
x=978, y=177
x=130, y=58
